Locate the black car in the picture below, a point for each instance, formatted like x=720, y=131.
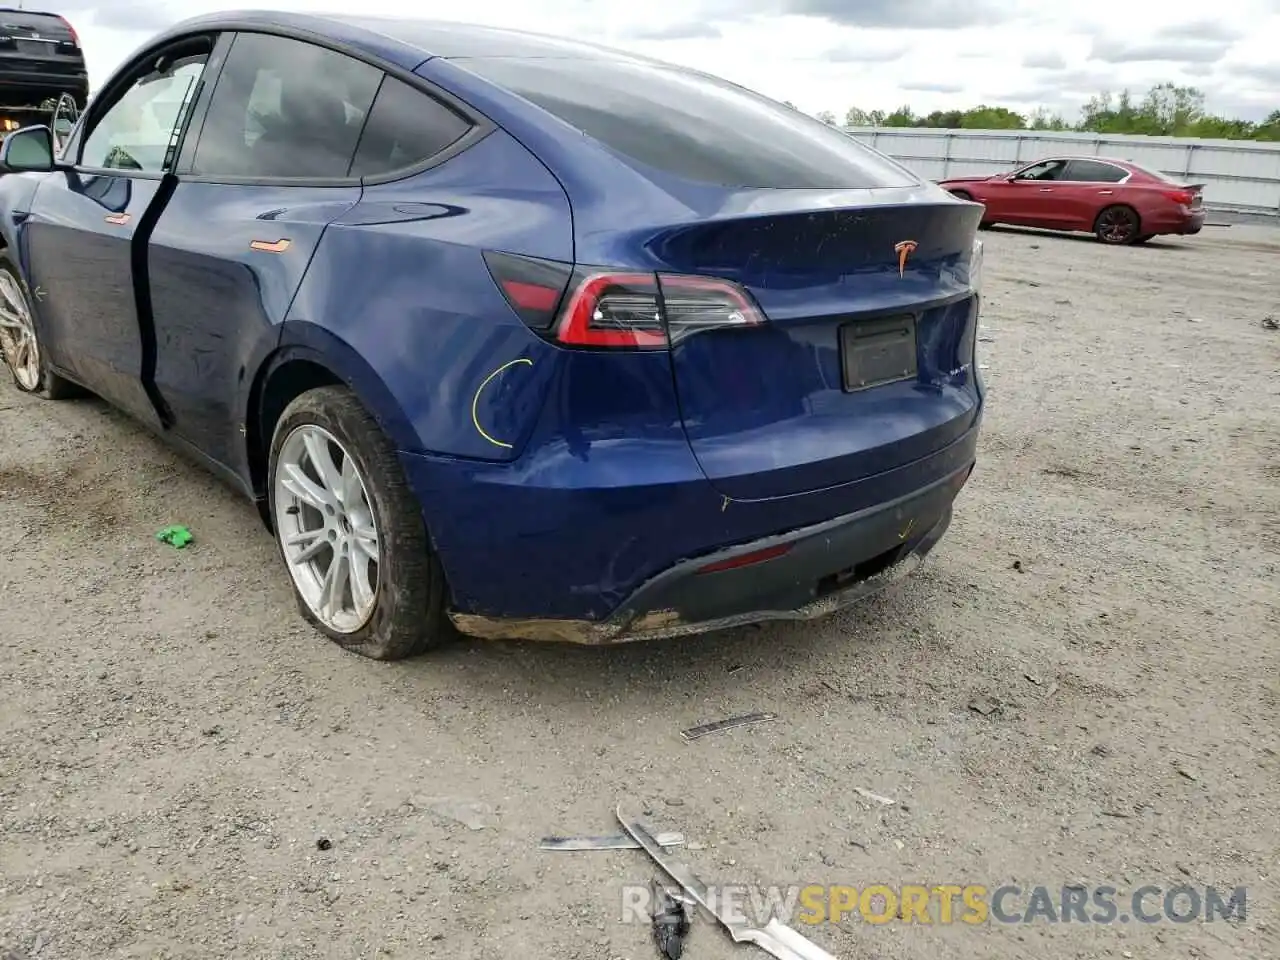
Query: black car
x=40, y=59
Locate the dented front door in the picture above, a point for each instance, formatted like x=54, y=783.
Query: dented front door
x=225, y=261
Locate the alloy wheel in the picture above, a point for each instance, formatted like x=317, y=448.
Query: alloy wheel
x=327, y=529
x=1117, y=225
x=18, y=341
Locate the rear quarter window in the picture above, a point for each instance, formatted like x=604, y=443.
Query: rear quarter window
x=405, y=127
x=691, y=125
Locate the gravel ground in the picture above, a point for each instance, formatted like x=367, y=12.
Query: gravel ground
x=1081, y=686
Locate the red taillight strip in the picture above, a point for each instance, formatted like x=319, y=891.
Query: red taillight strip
x=747, y=559
x=531, y=296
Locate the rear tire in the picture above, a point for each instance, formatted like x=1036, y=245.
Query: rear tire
x=1144, y=238
x=20, y=346
x=350, y=531
x=1117, y=225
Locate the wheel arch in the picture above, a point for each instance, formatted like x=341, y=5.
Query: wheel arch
x=308, y=357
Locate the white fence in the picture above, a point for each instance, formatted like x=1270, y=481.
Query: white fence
x=1238, y=175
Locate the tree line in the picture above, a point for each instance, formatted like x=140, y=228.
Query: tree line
x=1165, y=110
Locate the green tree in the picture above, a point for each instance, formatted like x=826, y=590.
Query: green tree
x=1042, y=119
x=902, y=117
x=1171, y=110
x=1167, y=109
x=992, y=118
x=945, y=119
x=1269, y=129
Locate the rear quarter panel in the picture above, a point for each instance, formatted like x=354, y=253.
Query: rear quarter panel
x=400, y=282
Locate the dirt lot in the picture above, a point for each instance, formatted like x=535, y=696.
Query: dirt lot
x=174, y=741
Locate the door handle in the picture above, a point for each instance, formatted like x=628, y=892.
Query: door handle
x=1105, y=193
x=119, y=219
x=1046, y=189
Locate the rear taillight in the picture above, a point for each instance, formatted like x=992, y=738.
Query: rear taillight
x=75, y=37
x=613, y=310
x=616, y=309
x=693, y=304
x=532, y=287
x=1183, y=197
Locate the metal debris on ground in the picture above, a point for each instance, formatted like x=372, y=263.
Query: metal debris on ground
x=868, y=795
x=1270, y=323
x=693, y=733
x=774, y=938
x=670, y=921
x=616, y=841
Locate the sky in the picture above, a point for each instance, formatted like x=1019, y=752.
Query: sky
x=836, y=54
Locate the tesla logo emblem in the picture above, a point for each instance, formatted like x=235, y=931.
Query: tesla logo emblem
x=904, y=249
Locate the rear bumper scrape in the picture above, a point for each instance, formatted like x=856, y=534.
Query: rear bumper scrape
x=824, y=568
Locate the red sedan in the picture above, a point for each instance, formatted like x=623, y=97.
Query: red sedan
x=1117, y=201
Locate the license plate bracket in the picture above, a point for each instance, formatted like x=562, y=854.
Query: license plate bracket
x=876, y=352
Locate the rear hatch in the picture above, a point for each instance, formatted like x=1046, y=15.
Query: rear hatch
x=841, y=345
x=861, y=363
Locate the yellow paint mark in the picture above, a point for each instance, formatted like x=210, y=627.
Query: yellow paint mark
x=119, y=219
x=903, y=534
x=475, y=401
x=724, y=504
x=267, y=246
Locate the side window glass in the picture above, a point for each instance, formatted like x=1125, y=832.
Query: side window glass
x=283, y=109
x=140, y=130
x=1090, y=171
x=1048, y=170
x=405, y=127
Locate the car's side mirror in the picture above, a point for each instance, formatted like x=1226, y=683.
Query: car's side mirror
x=28, y=150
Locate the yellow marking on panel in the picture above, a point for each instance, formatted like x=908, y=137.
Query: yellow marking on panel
x=119, y=219
x=268, y=246
x=475, y=401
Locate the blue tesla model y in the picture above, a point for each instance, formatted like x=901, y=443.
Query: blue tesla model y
x=504, y=332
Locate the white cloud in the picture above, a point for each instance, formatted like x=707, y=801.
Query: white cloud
x=880, y=54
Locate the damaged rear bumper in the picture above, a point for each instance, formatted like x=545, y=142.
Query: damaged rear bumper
x=800, y=575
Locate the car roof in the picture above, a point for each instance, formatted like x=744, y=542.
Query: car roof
x=1081, y=156
x=406, y=41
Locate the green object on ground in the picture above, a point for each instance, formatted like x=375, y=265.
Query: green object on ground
x=176, y=536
